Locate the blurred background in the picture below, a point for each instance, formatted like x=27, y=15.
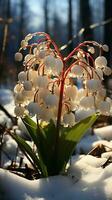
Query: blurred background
x=61, y=18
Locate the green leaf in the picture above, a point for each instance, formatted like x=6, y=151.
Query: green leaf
x=70, y=138
x=46, y=144
x=37, y=135
x=31, y=127
x=25, y=148
x=44, y=139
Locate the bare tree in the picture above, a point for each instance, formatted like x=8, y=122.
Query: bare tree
x=70, y=24
x=21, y=20
x=85, y=18
x=108, y=27
x=6, y=35
x=46, y=16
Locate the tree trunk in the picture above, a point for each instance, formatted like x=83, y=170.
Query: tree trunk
x=85, y=19
x=70, y=24
x=108, y=27
x=21, y=26
x=46, y=16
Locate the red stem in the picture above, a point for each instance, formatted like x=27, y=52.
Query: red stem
x=60, y=102
x=77, y=62
x=80, y=45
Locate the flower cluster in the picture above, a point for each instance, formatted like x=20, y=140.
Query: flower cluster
x=46, y=86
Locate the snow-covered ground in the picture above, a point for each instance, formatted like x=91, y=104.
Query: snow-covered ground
x=86, y=178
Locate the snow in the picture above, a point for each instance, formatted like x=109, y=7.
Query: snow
x=86, y=178
x=104, y=132
x=86, y=144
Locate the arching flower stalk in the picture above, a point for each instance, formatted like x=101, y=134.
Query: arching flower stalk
x=46, y=86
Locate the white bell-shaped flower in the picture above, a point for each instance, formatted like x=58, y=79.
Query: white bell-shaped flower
x=81, y=113
x=49, y=61
x=104, y=107
x=69, y=119
x=28, y=37
x=56, y=90
x=91, y=50
x=100, y=96
x=107, y=71
x=98, y=73
x=19, y=111
x=28, y=95
x=102, y=92
x=41, y=95
x=41, y=54
x=58, y=65
x=18, y=56
x=71, y=92
x=72, y=105
x=35, y=51
x=42, y=81
x=24, y=43
x=27, y=85
x=93, y=85
x=32, y=76
x=19, y=98
x=18, y=88
x=33, y=108
x=80, y=94
x=30, y=59
x=109, y=100
x=100, y=61
x=105, y=47
x=77, y=70
x=87, y=102
x=80, y=54
x=46, y=114
x=51, y=100
x=22, y=76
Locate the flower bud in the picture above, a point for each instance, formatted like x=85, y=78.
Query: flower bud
x=24, y=43
x=105, y=47
x=27, y=85
x=107, y=71
x=33, y=108
x=22, y=76
x=100, y=61
x=91, y=50
x=18, y=56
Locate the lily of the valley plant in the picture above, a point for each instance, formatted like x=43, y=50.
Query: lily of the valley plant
x=46, y=89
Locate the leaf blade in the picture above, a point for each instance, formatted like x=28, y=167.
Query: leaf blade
x=69, y=140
